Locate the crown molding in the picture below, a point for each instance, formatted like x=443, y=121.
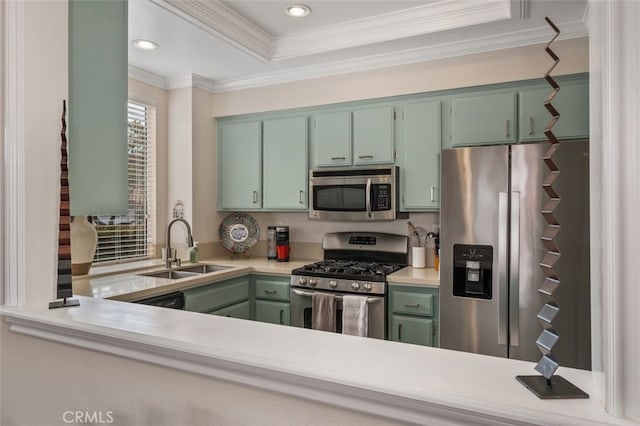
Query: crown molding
x=430, y=18
x=426, y=53
x=147, y=77
x=217, y=19
x=191, y=80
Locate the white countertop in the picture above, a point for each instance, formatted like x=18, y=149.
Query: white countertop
x=409, y=383
x=126, y=282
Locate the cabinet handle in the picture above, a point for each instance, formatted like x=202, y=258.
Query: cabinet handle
x=411, y=305
x=400, y=332
x=338, y=158
x=301, y=196
x=530, y=125
x=433, y=194
x=255, y=197
x=270, y=291
x=506, y=129
x=362, y=157
x=281, y=315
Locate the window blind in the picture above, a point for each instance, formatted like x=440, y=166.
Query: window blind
x=130, y=236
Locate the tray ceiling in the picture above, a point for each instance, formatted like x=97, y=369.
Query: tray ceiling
x=233, y=44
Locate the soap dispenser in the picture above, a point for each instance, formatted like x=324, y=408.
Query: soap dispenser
x=194, y=256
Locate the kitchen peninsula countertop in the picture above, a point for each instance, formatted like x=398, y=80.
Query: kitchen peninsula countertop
x=126, y=282
x=416, y=385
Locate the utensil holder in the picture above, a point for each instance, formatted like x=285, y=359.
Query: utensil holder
x=418, y=257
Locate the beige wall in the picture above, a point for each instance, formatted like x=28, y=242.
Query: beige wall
x=472, y=70
x=157, y=97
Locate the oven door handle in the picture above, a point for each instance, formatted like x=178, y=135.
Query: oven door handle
x=338, y=297
x=368, y=197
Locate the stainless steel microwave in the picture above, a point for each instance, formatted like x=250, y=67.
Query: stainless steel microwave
x=354, y=194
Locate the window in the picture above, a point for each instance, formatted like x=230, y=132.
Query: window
x=130, y=236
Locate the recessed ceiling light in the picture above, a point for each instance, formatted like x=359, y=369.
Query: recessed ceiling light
x=145, y=44
x=297, y=10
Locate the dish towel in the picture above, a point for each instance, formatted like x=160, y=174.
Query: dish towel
x=323, y=313
x=355, y=315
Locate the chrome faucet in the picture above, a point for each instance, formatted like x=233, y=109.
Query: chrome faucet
x=170, y=253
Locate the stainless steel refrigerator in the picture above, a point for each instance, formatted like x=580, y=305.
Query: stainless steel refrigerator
x=490, y=250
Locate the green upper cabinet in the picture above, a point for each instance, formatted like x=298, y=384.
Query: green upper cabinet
x=355, y=137
x=333, y=139
x=571, y=102
x=98, y=107
x=420, y=155
x=239, y=165
x=285, y=167
x=373, y=136
x=483, y=119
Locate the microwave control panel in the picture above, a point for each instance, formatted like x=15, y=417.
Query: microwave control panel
x=381, y=199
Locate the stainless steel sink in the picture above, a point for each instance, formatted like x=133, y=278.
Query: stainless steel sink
x=172, y=274
x=185, y=271
x=203, y=269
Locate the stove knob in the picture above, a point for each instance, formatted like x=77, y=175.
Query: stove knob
x=312, y=282
x=302, y=281
x=355, y=286
x=367, y=287
x=333, y=284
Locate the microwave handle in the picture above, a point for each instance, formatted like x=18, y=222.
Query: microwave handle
x=368, y=197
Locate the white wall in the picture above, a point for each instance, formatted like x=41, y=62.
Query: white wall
x=45, y=379
x=38, y=82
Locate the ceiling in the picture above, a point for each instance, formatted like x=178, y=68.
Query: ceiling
x=223, y=45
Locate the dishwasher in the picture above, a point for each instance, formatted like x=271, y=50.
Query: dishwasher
x=173, y=300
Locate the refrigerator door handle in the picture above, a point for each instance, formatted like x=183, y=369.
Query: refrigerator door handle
x=503, y=302
x=514, y=272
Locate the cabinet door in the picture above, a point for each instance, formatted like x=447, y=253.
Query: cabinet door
x=483, y=119
x=420, y=174
x=239, y=165
x=98, y=107
x=333, y=139
x=285, y=171
x=373, y=141
x=572, y=102
x=273, y=312
x=211, y=297
x=272, y=288
x=419, y=331
x=239, y=310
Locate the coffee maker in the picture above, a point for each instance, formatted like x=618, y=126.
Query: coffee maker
x=282, y=243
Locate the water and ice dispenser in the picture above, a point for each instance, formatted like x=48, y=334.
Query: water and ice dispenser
x=472, y=274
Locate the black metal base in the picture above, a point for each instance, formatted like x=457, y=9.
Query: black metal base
x=64, y=303
x=557, y=388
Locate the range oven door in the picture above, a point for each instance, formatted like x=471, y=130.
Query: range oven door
x=302, y=310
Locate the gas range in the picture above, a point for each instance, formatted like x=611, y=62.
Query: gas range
x=346, y=275
x=354, y=262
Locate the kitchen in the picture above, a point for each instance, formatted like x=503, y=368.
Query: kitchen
x=259, y=99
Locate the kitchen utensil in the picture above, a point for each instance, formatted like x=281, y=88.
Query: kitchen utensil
x=414, y=238
x=238, y=232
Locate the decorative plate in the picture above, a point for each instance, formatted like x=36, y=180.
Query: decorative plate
x=238, y=232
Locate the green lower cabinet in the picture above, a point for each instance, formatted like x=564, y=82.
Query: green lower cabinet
x=413, y=314
x=415, y=330
x=272, y=298
x=273, y=312
x=239, y=310
x=215, y=297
